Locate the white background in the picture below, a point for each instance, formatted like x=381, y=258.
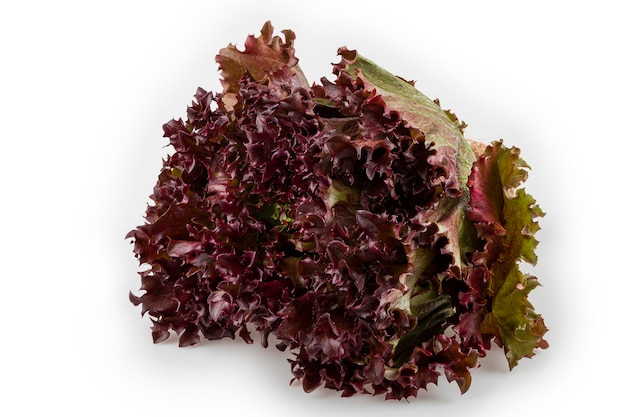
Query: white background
x=84, y=90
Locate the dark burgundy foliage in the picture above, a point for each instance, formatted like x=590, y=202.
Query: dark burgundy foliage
x=333, y=221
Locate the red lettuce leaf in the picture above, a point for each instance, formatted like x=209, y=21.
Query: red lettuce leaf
x=261, y=57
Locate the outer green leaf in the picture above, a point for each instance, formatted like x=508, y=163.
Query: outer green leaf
x=506, y=219
x=520, y=327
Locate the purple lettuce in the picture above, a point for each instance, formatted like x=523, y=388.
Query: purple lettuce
x=349, y=219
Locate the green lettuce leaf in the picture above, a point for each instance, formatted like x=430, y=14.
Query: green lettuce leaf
x=505, y=217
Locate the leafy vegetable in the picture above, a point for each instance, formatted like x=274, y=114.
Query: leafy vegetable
x=350, y=220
